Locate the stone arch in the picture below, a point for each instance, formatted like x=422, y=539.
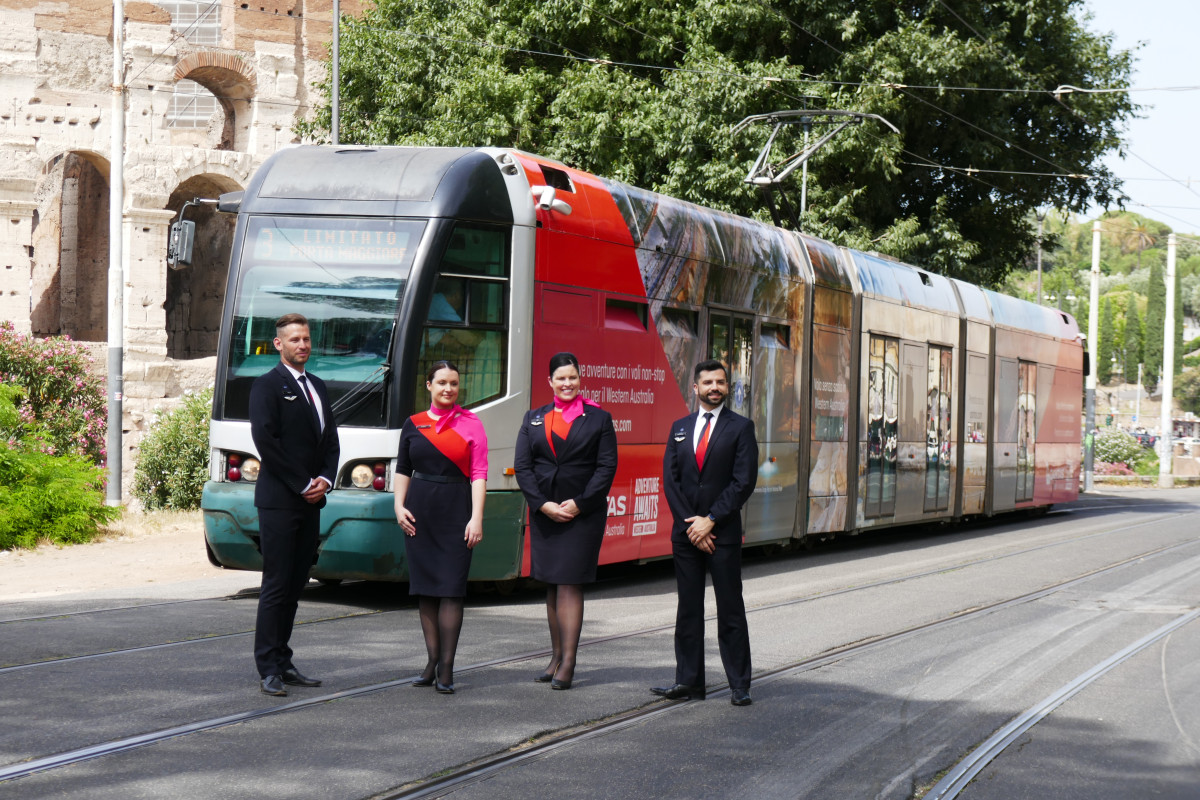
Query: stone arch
x=69, y=280
x=195, y=294
x=232, y=81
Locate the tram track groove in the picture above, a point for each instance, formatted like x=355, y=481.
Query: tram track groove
x=112, y=747
x=612, y=637
x=483, y=769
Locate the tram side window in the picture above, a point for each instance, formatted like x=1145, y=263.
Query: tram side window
x=883, y=389
x=468, y=312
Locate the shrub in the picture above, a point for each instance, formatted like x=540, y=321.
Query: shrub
x=1104, y=468
x=63, y=408
x=1115, y=446
x=172, y=463
x=44, y=496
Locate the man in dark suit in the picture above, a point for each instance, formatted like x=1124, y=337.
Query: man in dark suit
x=293, y=428
x=709, y=471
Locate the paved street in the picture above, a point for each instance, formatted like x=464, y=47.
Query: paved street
x=879, y=720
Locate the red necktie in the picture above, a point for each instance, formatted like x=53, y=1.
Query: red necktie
x=702, y=445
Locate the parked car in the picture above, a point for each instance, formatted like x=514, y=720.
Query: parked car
x=1147, y=439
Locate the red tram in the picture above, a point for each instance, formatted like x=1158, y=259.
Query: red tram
x=882, y=394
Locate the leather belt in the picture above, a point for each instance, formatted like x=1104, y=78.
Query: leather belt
x=425, y=476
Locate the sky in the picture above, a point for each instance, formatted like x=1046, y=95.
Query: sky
x=1163, y=144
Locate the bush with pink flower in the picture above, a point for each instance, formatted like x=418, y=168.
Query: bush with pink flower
x=63, y=407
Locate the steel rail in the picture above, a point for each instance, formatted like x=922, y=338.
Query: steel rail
x=26, y=768
x=965, y=771
x=484, y=769
x=612, y=637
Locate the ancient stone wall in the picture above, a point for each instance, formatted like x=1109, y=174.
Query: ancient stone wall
x=55, y=159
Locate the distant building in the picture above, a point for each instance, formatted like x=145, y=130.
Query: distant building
x=214, y=88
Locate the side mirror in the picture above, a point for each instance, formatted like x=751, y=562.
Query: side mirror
x=230, y=202
x=181, y=243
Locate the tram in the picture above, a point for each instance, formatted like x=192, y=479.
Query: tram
x=882, y=394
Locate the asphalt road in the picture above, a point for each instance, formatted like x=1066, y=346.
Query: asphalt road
x=988, y=631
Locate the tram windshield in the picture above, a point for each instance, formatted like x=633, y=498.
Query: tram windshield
x=347, y=275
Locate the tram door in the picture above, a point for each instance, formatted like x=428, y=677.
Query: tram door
x=937, y=431
x=731, y=341
x=1026, y=433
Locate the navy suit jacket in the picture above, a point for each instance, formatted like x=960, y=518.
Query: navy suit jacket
x=290, y=445
x=583, y=469
x=722, y=487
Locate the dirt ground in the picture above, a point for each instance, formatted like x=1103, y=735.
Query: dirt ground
x=151, y=554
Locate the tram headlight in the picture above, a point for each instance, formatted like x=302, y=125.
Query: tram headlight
x=362, y=476
x=250, y=468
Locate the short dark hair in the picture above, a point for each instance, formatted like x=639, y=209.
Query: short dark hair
x=708, y=366
x=290, y=319
x=562, y=360
x=439, y=365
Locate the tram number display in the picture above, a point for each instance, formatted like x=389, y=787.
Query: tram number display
x=330, y=245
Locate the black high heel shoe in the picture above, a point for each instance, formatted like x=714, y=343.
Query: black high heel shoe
x=555, y=683
x=443, y=688
x=548, y=676
x=421, y=680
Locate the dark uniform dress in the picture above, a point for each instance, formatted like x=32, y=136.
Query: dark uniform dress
x=556, y=462
x=438, y=556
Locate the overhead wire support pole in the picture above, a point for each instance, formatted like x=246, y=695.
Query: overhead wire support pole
x=1166, y=424
x=1089, y=436
x=335, y=112
x=116, y=268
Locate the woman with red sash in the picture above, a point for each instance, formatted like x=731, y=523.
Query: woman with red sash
x=440, y=484
x=565, y=462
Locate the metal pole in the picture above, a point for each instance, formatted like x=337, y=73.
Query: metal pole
x=116, y=271
x=335, y=125
x=804, y=176
x=1089, y=439
x=1166, y=426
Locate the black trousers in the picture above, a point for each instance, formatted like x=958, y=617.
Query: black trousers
x=288, y=539
x=733, y=635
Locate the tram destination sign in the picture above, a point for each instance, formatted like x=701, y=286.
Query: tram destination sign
x=325, y=245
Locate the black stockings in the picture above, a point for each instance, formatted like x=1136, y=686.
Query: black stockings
x=564, y=613
x=441, y=621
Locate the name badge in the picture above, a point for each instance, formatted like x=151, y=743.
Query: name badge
x=680, y=436
x=423, y=427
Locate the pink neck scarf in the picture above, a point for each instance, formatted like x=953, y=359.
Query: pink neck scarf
x=469, y=427
x=574, y=408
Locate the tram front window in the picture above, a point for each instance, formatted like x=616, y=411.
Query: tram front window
x=347, y=276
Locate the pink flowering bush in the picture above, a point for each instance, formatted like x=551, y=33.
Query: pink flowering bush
x=63, y=408
x=1105, y=468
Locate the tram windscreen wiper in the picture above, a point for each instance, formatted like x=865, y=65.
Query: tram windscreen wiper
x=361, y=392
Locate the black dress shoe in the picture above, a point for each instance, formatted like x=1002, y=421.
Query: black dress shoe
x=680, y=691
x=444, y=688
x=740, y=697
x=555, y=683
x=421, y=680
x=273, y=685
x=292, y=677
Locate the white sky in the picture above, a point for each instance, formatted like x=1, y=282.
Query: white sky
x=1167, y=136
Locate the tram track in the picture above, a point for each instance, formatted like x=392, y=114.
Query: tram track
x=591, y=642
x=554, y=741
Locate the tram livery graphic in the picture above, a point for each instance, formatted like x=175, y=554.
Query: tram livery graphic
x=882, y=394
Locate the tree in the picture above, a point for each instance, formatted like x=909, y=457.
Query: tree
x=1187, y=391
x=648, y=93
x=1178, y=365
x=1152, y=341
x=1133, y=342
x=1104, y=351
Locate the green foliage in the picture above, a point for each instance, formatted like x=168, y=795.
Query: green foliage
x=1133, y=343
x=1187, y=390
x=63, y=406
x=1104, y=350
x=1115, y=446
x=650, y=96
x=172, y=463
x=1152, y=340
x=43, y=496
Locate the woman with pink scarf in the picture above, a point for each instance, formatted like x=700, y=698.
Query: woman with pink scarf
x=565, y=462
x=440, y=484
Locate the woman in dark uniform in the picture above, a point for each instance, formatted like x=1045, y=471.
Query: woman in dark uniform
x=565, y=462
x=441, y=471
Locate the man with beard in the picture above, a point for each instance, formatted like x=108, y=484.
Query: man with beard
x=709, y=471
